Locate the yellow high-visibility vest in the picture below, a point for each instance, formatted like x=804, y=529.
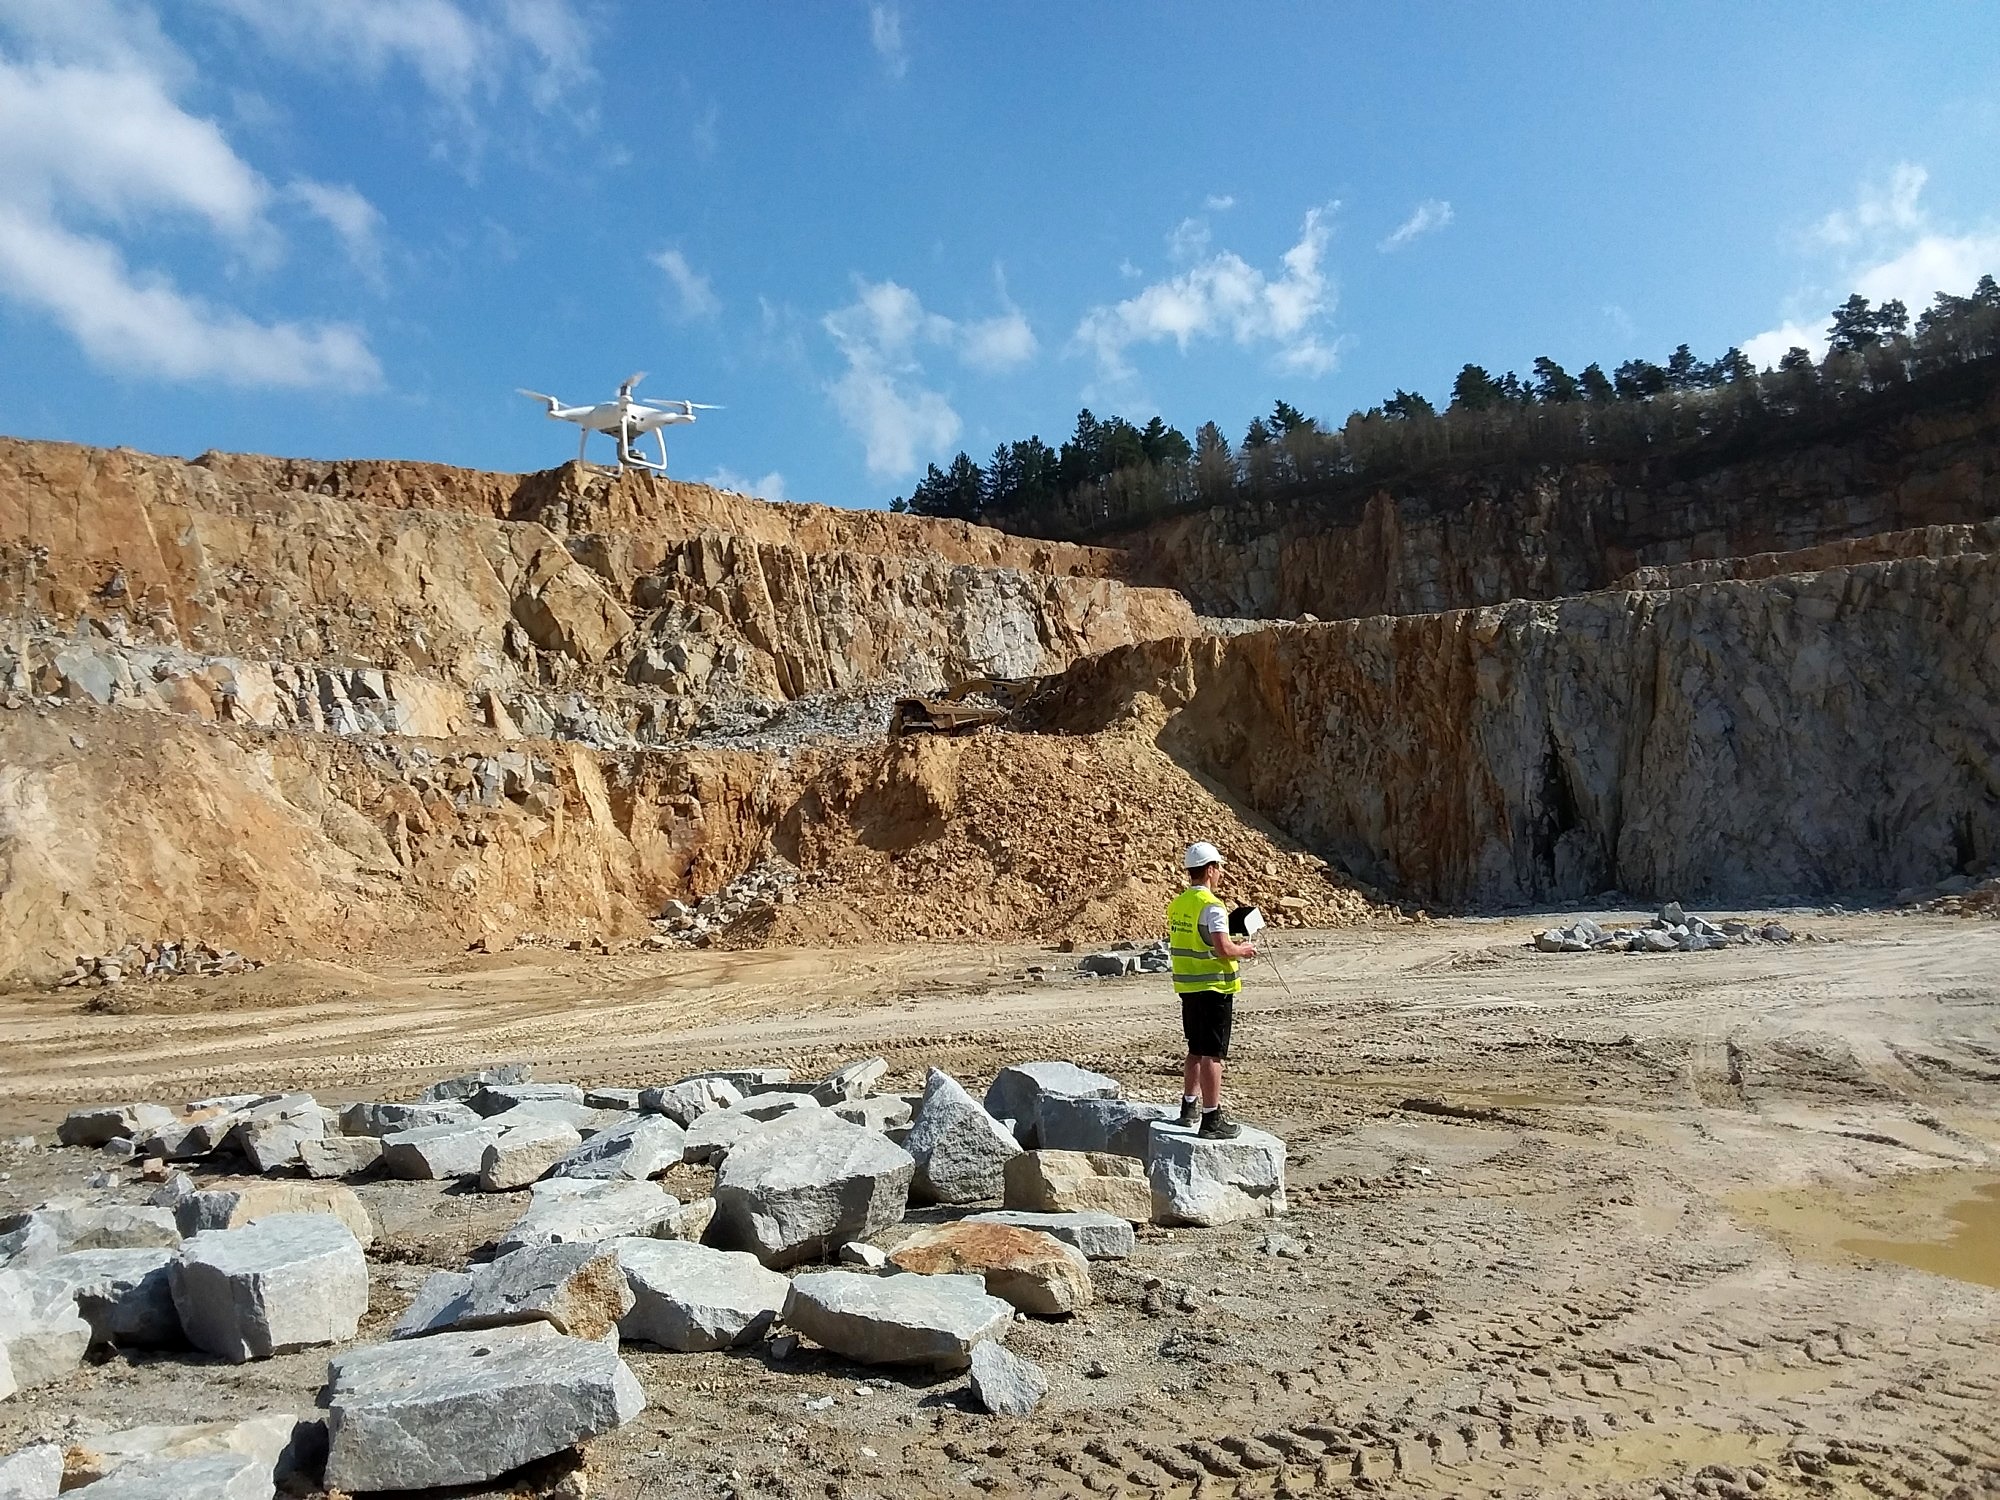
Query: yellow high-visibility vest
x=1196, y=965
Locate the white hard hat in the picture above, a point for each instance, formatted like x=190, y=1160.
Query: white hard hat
x=1200, y=856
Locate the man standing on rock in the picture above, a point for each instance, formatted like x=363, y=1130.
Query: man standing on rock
x=1205, y=958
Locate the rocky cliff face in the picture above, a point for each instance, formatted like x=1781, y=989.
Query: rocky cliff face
x=1827, y=732
x=1550, y=532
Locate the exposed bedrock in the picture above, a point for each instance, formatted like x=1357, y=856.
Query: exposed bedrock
x=1827, y=732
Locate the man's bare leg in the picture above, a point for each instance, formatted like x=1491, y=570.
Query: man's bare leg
x=1209, y=1072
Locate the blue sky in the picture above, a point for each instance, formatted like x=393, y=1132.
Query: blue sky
x=879, y=233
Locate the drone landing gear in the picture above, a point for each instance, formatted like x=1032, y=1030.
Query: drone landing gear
x=629, y=455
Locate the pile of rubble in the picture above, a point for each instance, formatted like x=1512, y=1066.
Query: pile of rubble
x=160, y=960
x=1121, y=959
x=805, y=1232
x=1957, y=896
x=770, y=883
x=1672, y=931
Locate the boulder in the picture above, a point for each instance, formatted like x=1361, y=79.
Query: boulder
x=467, y=1084
x=273, y=1142
x=103, y=1122
x=861, y=1253
x=1120, y=1126
x=77, y=1224
x=612, y=1098
x=30, y=1243
x=389, y=1119
x=1035, y=1272
x=577, y=1289
x=882, y=1112
x=896, y=1320
x=796, y=1191
x=1208, y=1182
x=1004, y=1383
x=282, y=1283
x=961, y=1151
x=126, y=1296
x=235, y=1204
x=1099, y=1236
x=581, y=1118
x=42, y=1337
x=689, y=1298
x=572, y=1210
x=211, y=1476
x=1080, y=1181
x=1017, y=1091
x=438, y=1152
x=463, y=1408
x=687, y=1101
x=746, y=1080
x=498, y=1098
x=340, y=1155
x=523, y=1153
x=32, y=1473
x=714, y=1135
x=643, y=1146
x=851, y=1082
x=1108, y=965
x=285, y=1448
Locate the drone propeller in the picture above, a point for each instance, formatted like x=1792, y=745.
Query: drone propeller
x=630, y=381
x=532, y=395
x=691, y=405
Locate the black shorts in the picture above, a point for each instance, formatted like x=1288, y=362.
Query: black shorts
x=1206, y=1017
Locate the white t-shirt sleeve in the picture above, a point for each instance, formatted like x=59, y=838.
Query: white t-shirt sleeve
x=1214, y=919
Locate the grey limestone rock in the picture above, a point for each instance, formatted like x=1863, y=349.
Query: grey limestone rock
x=1108, y=965
x=340, y=1155
x=851, y=1082
x=423, y=1415
x=100, y=1123
x=688, y=1297
x=877, y=1112
x=42, y=1337
x=232, y=1205
x=896, y=1320
x=612, y=1098
x=498, y=1098
x=641, y=1147
x=1017, y=1091
x=388, y=1119
x=467, y=1084
x=578, y=1289
x=1208, y=1182
x=1004, y=1383
x=126, y=1296
x=714, y=1135
x=282, y=1283
x=961, y=1151
x=78, y=1224
x=435, y=1152
x=32, y=1473
x=797, y=1190
x=523, y=1153
x=568, y=1210
x=282, y=1445
x=1100, y=1236
x=30, y=1243
x=272, y=1143
x=435, y=1306
x=209, y=1476
x=690, y=1099
x=1119, y=1126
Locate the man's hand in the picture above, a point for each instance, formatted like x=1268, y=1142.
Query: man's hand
x=1228, y=947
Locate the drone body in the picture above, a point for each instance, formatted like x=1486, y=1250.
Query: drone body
x=626, y=419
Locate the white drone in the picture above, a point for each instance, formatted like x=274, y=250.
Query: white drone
x=627, y=420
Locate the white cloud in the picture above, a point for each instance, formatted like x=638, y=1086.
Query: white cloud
x=770, y=487
x=1223, y=296
x=355, y=221
x=1189, y=239
x=885, y=34
x=1217, y=203
x=882, y=396
x=997, y=345
x=1430, y=215
x=1886, y=247
x=697, y=298
x=98, y=152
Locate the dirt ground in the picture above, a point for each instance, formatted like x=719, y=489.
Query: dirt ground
x=1584, y=1225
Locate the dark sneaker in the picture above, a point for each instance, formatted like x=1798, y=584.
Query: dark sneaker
x=1217, y=1126
x=1190, y=1113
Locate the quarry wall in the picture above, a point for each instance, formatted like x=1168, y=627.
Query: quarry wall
x=1828, y=732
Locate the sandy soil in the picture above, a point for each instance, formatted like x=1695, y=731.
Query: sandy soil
x=1598, y=1225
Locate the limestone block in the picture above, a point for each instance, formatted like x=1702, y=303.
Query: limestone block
x=340, y=1155
x=1207, y=1182
x=213, y=1476
x=1080, y=1181
x=463, y=1408
x=714, y=1135
x=1120, y=1126
x=282, y=1283
x=643, y=1146
x=578, y=1289
x=1017, y=1091
x=851, y=1082
x=389, y=1119
x=126, y=1296
x=523, y=1153
x=961, y=1151
x=1035, y=1272
x=568, y=1210
x=877, y=1112
x=42, y=1337
x=103, y=1122
x=1004, y=1383
x=31, y=1243
x=465, y=1085
x=436, y=1152
x=796, y=1190
x=231, y=1205
x=687, y=1101
x=1099, y=1236
x=613, y=1098
x=688, y=1297
x=497, y=1098
x=284, y=1447
x=896, y=1320
x=77, y=1224
x=32, y=1473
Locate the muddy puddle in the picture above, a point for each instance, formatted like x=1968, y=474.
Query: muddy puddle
x=1945, y=1223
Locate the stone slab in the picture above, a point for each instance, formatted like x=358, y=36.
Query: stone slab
x=961, y=1151
x=798, y=1190
x=1017, y=1091
x=689, y=1298
x=523, y=1153
x=572, y=1210
x=285, y=1282
x=638, y=1148
x=1035, y=1272
x=1120, y=1126
x=896, y=1320
x=1004, y=1383
x=231, y=1205
x=1207, y=1182
x=388, y=1119
x=1051, y=1181
x=126, y=1296
x=1099, y=1236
